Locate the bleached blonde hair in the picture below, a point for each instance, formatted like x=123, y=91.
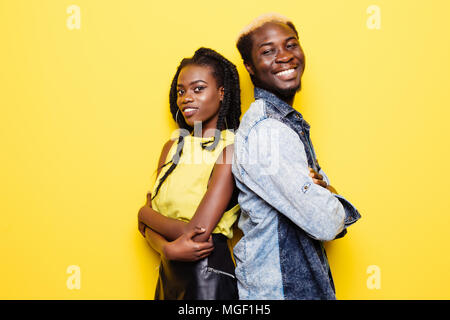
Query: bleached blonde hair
x=243, y=41
x=260, y=21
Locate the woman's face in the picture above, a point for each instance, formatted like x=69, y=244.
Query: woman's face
x=199, y=96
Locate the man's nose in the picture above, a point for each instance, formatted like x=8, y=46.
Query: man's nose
x=284, y=56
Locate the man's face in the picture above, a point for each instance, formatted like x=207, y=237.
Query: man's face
x=278, y=60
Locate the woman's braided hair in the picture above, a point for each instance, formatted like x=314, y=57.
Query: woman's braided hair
x=226, y=76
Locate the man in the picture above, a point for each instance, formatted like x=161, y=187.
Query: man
x=288, y=207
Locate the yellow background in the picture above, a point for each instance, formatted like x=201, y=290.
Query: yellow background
x=84, y=114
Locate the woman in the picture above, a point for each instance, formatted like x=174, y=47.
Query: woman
x=190, y=213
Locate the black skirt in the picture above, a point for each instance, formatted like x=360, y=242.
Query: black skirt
x=211, y=278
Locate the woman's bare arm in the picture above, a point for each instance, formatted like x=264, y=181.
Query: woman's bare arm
x=220, y=190
x=183, y=248
x=210, y=209
x=156, y=241
x=167, y=227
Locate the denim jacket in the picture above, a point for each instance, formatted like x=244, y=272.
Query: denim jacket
x=285, y=216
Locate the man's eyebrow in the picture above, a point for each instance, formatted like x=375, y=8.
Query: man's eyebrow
x=265, y=44
x=270, y=43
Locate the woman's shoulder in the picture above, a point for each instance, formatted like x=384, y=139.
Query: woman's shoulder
x=228, y=148
x=228, y=137
x=164, y=152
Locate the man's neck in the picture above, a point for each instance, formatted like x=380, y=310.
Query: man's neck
x=289, y=101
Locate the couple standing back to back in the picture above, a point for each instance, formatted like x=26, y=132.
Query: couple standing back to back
x=267, y=172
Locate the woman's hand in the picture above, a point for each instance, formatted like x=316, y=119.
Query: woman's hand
x=186, y=249
x=141, y=227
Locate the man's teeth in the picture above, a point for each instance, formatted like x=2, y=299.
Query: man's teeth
x=285, y=72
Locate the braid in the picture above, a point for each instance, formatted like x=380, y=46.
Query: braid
x=226, y=75
x=174, y=161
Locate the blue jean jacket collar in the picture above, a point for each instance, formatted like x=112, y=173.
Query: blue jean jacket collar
x=279, y=105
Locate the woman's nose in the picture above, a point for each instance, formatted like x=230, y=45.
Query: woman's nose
x=187, y=98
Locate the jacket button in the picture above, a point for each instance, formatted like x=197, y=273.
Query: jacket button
x=302, y=133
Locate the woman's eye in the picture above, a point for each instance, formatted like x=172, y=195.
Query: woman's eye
x=292, y=45
x=198, y=89
x=180, y=92
x=267, y=51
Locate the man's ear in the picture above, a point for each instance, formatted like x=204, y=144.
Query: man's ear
x=249, y=68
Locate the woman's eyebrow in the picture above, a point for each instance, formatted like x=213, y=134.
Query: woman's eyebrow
x=193, y=82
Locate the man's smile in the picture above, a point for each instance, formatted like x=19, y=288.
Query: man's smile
x=287, y=73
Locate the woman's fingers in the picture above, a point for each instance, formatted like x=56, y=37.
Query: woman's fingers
x=197, y=230
x=204, y=246
x=141, y=227
x=204, y=253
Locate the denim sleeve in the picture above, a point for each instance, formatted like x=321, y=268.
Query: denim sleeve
x=273, y=164
x=351, y=213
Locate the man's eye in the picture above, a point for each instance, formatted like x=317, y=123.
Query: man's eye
x=292, y=45
x=268, y=51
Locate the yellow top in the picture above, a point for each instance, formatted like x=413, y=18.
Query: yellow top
x=181, y=192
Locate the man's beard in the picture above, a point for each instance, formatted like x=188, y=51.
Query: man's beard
x=287, y=93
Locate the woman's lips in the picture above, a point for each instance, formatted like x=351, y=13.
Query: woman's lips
x=189, y=111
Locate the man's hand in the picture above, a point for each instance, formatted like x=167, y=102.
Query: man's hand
x=318, y=179
x=186, y=249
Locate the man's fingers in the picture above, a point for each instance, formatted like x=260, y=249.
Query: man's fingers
x=315, y=175
x=320, y=182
